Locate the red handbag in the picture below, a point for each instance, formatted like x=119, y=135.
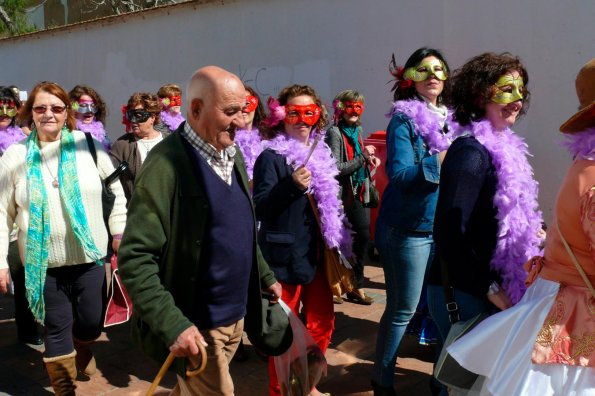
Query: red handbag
x=119, y=305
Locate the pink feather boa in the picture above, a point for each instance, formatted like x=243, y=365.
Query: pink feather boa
x=518, y=214
x=336, y=230
x=581, y=144
x=96, y=129
x=172, y=121
x=10, y=136
x=251, y=145
x=426, y=124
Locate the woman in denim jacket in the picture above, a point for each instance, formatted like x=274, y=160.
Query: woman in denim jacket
x=417, y=138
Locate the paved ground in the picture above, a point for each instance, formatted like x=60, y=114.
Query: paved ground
x=124, y=370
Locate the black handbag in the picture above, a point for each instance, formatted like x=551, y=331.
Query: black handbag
x=447, y=370
x=108, y=198
x=371, y=194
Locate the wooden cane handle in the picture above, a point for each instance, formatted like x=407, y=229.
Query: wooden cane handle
x=198, y=368
x=190, y=373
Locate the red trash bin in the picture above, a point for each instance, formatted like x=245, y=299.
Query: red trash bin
x=379, y=178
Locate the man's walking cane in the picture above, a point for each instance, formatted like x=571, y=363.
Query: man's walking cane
x=189, y=373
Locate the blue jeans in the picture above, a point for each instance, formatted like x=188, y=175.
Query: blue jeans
x=469, y=306
x=405, y=257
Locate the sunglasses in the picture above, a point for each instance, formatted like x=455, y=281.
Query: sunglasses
x=54, y=109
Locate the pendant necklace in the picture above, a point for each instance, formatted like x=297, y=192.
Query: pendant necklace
x=55, y=182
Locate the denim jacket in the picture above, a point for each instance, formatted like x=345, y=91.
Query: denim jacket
x=409, y=200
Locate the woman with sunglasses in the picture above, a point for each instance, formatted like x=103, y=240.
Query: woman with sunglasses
x=292, y=183
x=345, y=140
x=62, y=236
x=417, y=138
x=90, y=113
x=170, y=118
x=140, y=116
x=10, y=133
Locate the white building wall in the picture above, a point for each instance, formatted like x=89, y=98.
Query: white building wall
x=331, y=44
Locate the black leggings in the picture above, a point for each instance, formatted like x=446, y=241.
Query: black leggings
x=74, y=306
x=360, y=224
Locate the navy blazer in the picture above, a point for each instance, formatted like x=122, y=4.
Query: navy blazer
x=288, y=231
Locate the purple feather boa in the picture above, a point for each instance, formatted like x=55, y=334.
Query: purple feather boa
x=518, y=214
x=10, y=136
x=426, y=123
x=581, y=144
x=251, y=145
x=96, y=129
x=336, y=230
x=172, y=121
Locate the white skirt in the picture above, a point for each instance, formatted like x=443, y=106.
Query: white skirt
x=500, y=349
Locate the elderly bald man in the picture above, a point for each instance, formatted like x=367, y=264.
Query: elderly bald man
x=189, y=247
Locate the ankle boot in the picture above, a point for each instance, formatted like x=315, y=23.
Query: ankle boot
x=85, y=361
x=62, y=372
x=380, y=390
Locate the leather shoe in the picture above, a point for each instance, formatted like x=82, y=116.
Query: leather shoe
x=358, y=296
x=380, y=390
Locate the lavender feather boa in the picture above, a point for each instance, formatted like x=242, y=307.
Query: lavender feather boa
x=10, y=136
x=336, y=230
x=96, y=129
x=581, y=144
x=172, y=121
x=426, y=123
x=518, y=214
x=251, y=145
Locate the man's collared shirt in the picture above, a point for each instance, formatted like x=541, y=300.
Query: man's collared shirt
x=221, y=161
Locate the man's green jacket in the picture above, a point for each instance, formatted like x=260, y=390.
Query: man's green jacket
x=160, y=251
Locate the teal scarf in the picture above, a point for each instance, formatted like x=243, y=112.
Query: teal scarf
x=38, y=233
x=352, y=134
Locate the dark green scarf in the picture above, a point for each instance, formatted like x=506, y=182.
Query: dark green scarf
x=352, y=134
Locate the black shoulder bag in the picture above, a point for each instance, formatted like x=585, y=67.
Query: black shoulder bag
x=447, y=370
x=107, y=196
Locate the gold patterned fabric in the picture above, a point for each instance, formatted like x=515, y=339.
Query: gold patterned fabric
x=568, y=333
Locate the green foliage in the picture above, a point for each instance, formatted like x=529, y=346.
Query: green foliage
x=13, y=20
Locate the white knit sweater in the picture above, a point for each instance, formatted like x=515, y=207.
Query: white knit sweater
x=63, y=248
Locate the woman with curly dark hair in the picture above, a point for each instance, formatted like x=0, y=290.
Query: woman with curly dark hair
x=417, y=138
x=291, y=183
x=487, y=219
x=141, y=114
x=550, y=351
x=90, y=113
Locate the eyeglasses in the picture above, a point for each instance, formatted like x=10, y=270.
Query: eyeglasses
x=54, y=109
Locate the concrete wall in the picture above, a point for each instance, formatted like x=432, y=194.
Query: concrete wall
x=331, y=44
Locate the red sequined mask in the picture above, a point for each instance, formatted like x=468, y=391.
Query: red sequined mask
x=352, y=108
x=251, y=103
x=308, y=114
x=172, y=101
